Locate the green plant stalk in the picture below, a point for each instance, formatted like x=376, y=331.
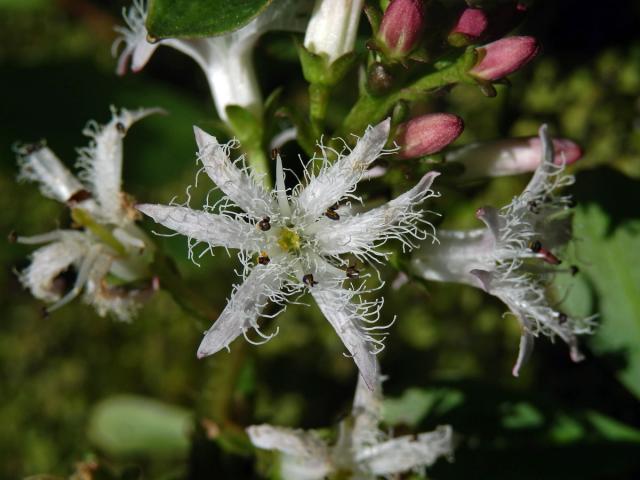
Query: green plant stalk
x=370, y=110
x=259, y=164
x=318, y=100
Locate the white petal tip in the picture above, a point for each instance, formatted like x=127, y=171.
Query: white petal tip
x=203, y=138
x=147, y=208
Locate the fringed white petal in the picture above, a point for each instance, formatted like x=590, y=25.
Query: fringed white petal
x=407, y=453
x=115, y=301
x=340, y=178
x=134, y=36
x=44, y=167
x=94, y=258
x=347, y=322
x=524, y=352
x=243, y=309
x=236, y=183
x=454, y=256
x=214, y=229
x=287, y=440
x=49, y=261
x=361, y=234
x=101, y=162
x=367, y=412
x=306, y=456
x=547, y=167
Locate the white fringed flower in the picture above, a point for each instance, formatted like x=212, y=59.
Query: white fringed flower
x=225, y=59
x=292, y=241
x=512, y=257
x=361, y=450
x=108, y=244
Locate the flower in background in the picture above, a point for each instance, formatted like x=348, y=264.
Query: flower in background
x=362, y=448
x=107, y=242
x=333, y=27
x=294, y=241
x=513, y=257
x=225, y=59
x=509, y=156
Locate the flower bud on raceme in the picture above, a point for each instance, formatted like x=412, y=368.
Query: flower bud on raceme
x=503, y=57
x=401, y=27
x=469, y=28
x=510, y=156
x=428, y=134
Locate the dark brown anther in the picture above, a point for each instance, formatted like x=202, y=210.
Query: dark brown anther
x=30, y=148
x=79, y=196
x=264, y=224
x=562, y=318
x=121, y=128
x=263, y=258
x=534, y=207
x=535, y=246
x=152, y=39
x=308, y=280
x=574, y=270
x=12, y=237
x=352, y=272
x=332, y=214
x=44, y=312
x=274, y=153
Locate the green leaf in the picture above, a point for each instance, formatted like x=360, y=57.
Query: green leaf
x=415, y=404
x=609, y=252
x=200, y=18
x=128, y=425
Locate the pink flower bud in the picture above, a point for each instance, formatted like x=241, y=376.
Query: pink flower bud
x=428, y=134
x=510, y=156
x=502, y=57
x=470, y=27
x=401, y=27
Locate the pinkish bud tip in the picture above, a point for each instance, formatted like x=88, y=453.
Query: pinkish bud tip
x=503, y=57
x=428, y=134
x=401, y=27
x=566, y=152
x=470, y=26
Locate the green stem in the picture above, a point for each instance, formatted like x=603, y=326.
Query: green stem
x=370, y=110
x=318, y=101
x=84, y=219
x=259, y=164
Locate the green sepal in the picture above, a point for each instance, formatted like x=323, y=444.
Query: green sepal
x=374, y=15
x=317, y=69
x=249, y=129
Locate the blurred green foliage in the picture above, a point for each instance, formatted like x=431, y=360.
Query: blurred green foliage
x=448, y=359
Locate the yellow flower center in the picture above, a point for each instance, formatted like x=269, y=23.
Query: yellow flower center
x=288, y=240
